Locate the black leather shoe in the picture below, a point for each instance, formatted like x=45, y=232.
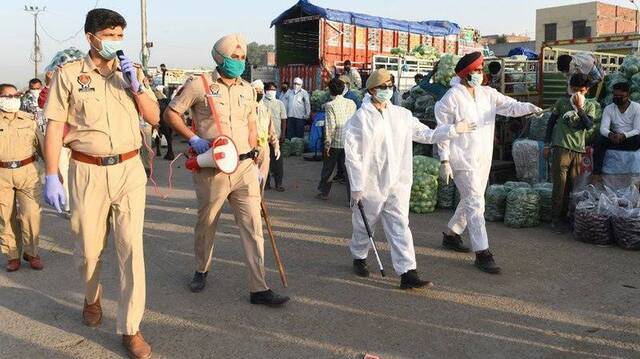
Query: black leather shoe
x=198, y=282
x=268, y=297
x=411, y=280
x=485, y=262
x=360, y=267
x=454, y=243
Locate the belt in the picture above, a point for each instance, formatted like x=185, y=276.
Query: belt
x=103, y=161
x=17, y=164
x=253, y=154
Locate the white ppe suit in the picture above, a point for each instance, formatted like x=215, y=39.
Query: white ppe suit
x=379, y=160
x=470, y=154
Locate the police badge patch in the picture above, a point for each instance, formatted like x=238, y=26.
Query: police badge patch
x=85, y=81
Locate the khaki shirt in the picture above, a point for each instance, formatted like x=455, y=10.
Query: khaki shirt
x=19, y=137
x=99, y=111
x=235, y=105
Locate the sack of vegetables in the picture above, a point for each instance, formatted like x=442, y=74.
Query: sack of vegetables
x=424, y=191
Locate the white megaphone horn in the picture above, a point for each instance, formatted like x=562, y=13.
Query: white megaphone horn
x=223, y=155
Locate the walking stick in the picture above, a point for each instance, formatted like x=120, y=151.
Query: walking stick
x=373, y=244
x=276, y=254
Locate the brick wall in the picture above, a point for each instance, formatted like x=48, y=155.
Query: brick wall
x=613, y=19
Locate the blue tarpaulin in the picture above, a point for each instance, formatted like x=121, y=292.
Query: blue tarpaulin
x=530, y=54
x=316, y=134
x=431, y=28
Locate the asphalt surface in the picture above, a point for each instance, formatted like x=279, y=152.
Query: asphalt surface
x=557, y=298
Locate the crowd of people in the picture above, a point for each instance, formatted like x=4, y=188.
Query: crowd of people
x=86, y=121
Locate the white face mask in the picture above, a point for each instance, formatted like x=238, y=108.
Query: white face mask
x=476, y=80
x=270, y=94
x=9, y=104
x=297, y=87
x=35, y=93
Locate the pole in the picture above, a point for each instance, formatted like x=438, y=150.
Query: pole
x=36, y=56
x=144, y=54
x=276, y=254
x=370, y=233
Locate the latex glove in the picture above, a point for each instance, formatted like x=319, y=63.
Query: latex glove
x=54, y=193
x=446, y=173
x=356, y=197
x=198, y=144
x=465, y=126
x=276, y=152
x=130, y=73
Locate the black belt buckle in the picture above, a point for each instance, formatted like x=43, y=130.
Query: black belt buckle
x=110, y=161
x=249, y=155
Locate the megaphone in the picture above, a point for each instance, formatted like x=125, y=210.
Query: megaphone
x=222, y=155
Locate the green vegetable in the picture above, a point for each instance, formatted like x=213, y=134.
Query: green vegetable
x=523, y=208
x=318, y=99
x=424, y=191
x=495, y=202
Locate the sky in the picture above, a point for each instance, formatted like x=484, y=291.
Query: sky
x=183, y=31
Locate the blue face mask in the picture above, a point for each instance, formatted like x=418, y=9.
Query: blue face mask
x=476, y=80
x=383, y=95
x=232, y=68
x=109, y=48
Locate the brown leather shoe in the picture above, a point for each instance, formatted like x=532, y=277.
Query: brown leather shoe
x=136, y=346
x=92, y=313
x=13, y=265
x=34, y=262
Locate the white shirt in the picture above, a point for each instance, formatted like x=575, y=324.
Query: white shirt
x=297, y=103
x=627, y=123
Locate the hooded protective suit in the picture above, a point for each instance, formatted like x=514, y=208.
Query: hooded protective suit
x=379, y=160
x=470, y=154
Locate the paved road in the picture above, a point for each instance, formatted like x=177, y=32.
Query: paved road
x=557, y=298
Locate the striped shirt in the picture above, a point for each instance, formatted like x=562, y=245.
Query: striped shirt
x=338, y=112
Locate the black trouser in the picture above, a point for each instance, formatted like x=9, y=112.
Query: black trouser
x=276, y=168
x=165, y=130
x=336, y=158
x=604, y=143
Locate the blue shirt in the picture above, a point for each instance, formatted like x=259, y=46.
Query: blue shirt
x=353, y=97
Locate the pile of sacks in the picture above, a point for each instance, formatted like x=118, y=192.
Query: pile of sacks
x=607, y=216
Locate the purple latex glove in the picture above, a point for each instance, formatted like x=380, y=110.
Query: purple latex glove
x=130, y=73
x=54, y=193
x=199, y=145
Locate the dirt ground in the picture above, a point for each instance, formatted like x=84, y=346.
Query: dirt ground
x=557, y=298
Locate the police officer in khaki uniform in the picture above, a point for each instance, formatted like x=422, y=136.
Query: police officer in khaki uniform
x=235, y=104
x=93, y=108
x=20, y=142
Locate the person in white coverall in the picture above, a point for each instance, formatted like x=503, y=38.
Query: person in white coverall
x=467, y=158
x=379, y=161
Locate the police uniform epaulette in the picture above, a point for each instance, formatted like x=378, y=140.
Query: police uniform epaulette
x=70, y=63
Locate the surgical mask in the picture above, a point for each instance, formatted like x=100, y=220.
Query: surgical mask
x=270, y=94
x=619, y=101
x=109, y=48
x=297, y=87
x=475, y=80
x=35, y=93
x=259, y=97
x=9, y=104
x=232, y=68
x=383, y=95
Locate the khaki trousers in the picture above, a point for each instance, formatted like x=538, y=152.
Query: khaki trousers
x=265, y=161
x=243, y=192
x=104, y=199
x=19, y=226
x=565, y=169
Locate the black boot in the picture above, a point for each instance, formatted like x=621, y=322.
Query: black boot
x=198, y=282
x=410, y=280
x=454, y=243
x=485, y=262
x=268, y=297
x=360, y=267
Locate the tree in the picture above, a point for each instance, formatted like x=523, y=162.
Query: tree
x=257, y=53
x=502, y=39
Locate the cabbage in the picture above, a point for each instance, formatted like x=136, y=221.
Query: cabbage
x=424, y=191
x=318, y=99
x=446, y=69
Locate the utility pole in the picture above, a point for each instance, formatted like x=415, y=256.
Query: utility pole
x=144, y=54
x=36, y=56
